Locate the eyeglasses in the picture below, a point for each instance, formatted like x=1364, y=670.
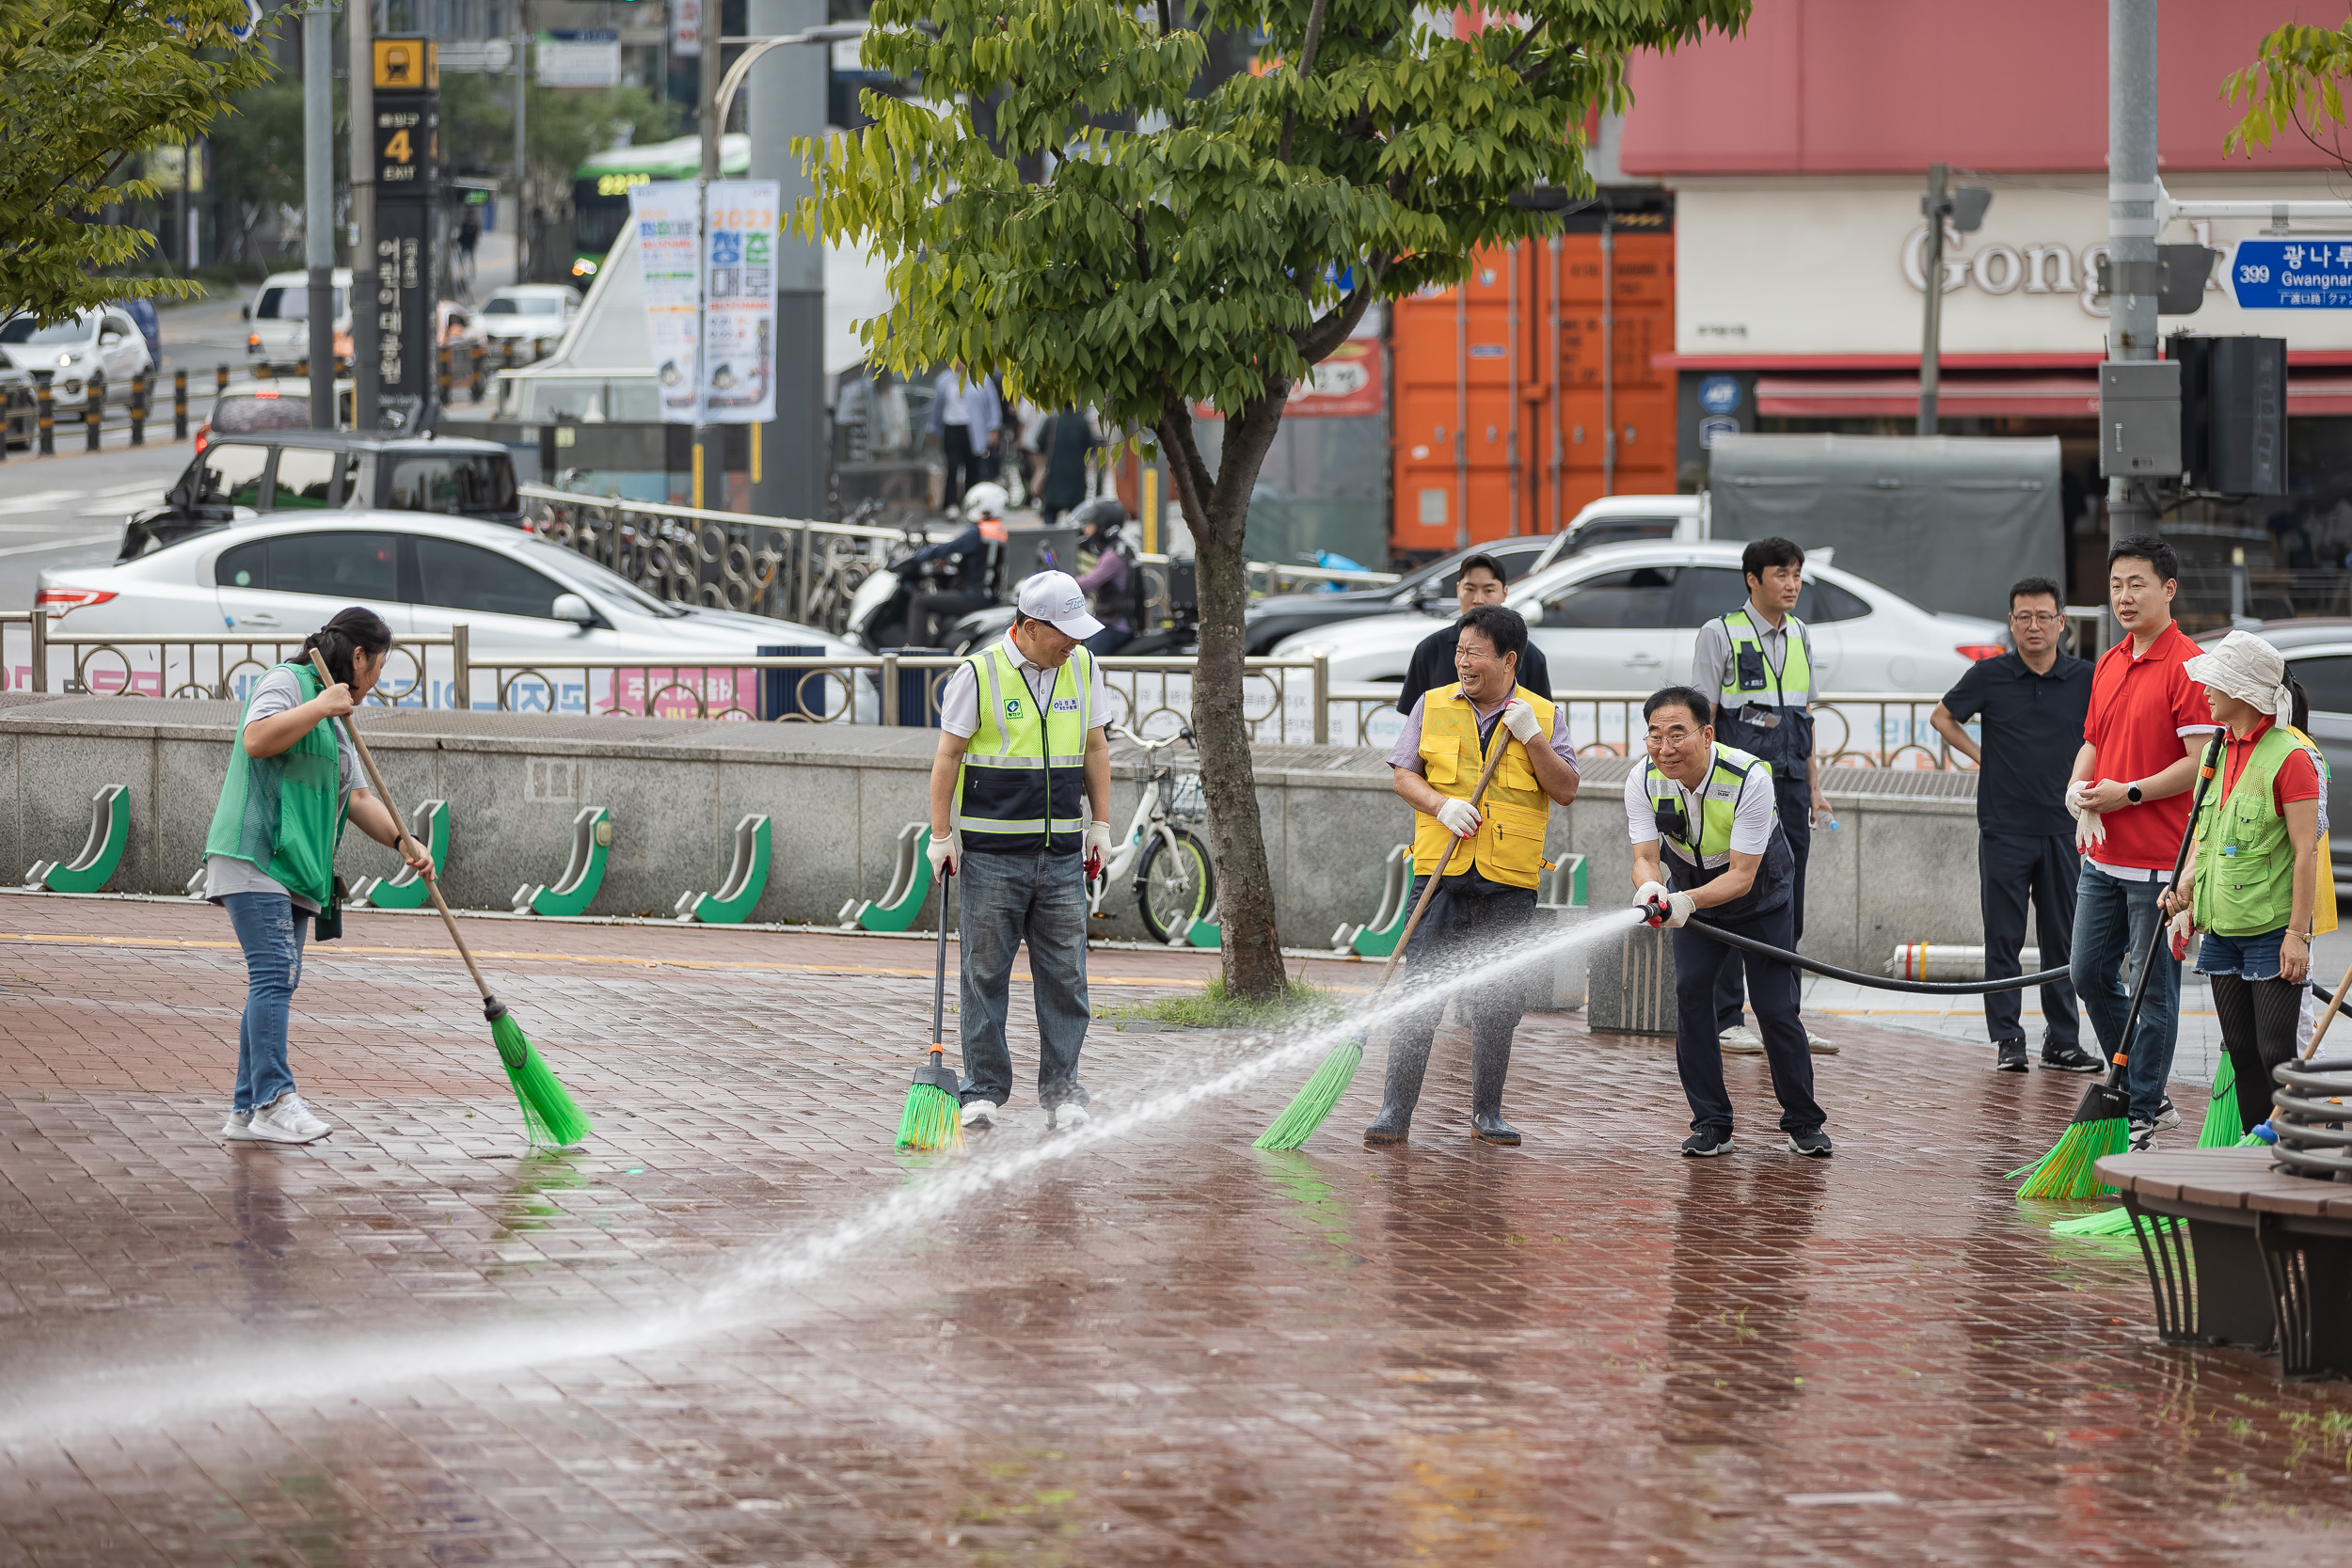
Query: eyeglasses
x=2034, y=618
x=1676, y=737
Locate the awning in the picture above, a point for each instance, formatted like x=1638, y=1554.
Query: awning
x=2053, y=395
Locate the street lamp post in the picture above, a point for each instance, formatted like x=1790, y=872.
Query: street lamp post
x=1963, y=207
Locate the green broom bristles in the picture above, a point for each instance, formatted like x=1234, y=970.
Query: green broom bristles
x=933, y=1118
x=2066, y=1171
x=2222, y=1127
x=549, y=1117
x=1313, y=1103
x=2106, y=1222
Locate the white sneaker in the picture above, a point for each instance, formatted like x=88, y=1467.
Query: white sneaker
x=1740, y=1040
x=1063, y=1117
x=284, y=1120
x=1820, y=1047
x=978, y=1114
x=238, y=1128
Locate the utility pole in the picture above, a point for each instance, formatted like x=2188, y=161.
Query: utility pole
x=364, y=304
x=318, y=197
x=787, y=100
x=710, y=439
x=2132, y=193
x=1931, y=336
x=522, y=206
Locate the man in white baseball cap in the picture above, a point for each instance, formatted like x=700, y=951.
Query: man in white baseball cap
x=1020, y=795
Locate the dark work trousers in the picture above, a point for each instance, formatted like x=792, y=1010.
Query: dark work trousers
x=2011, y=871
x=959, y=462
x=1793, y=798
x=1472, y=923
x=1772, y=988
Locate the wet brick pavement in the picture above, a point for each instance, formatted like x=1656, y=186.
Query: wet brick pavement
x=736, y=1329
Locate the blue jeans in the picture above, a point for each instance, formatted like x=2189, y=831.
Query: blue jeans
x=2254, y=957
x=270, y=930
x=2114, y=921
x=1001, y=900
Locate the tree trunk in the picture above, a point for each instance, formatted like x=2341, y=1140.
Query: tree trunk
x=1217, y=513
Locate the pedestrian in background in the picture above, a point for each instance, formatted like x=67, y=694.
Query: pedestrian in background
x=269, y=859
x=2033, y=703
x=2129, y=794
x=964, y=414
x=1064, y=441
x=1479, y=581
x=1757, y=664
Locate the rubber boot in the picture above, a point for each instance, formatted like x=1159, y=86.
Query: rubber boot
x=1490, y=1063
x=1408, y=1063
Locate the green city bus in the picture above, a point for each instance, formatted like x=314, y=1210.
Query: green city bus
x=600, y=188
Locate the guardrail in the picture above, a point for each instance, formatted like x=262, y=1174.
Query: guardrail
x=219, y=665
x=1267, y=578
x=1849, y=728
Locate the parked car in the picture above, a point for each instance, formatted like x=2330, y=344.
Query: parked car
x=1624, y=618
x=105, y=341
x=249, y=407
x=277, y=331
x=528, y=310
x=238, y=477
x=1611, y=520
x=521, y=597
x=2319, y=654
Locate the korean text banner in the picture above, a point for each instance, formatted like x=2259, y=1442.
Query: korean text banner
x=739, y=311
x=664, y=211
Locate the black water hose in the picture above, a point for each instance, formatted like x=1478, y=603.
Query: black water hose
x=1876, y=982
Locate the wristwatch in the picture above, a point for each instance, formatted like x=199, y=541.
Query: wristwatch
x=2130, y=793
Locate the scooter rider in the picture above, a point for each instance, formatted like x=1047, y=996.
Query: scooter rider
x=1116, y=578
x=977, y=555
x=1712, y=807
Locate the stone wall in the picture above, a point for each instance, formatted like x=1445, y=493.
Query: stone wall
x=1902, y=868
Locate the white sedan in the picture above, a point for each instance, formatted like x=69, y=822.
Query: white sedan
x=528, y=310
x=1625, y=618
x=523, y=600
x=106, y=342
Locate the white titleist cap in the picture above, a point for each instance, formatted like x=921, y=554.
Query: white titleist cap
x=1056, y=598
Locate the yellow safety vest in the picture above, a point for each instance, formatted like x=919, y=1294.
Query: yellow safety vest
x=1508, y=847
x=1021, y=786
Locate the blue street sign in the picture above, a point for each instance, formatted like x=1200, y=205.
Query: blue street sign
x=2291, y=275
x=1719, y=394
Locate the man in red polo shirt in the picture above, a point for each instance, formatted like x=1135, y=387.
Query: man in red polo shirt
x=2129, y=794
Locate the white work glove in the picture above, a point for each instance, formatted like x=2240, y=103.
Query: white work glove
x=2078, y=798
x=1098, y=839
x=945, y=851
x=1460, y=818
x=2182, y=926
x=1680, y=907
x=2089, y=830
x=1647, y=900
x=1520, y=719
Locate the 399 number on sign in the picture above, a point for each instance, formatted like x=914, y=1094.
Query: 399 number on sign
x=2251, y=274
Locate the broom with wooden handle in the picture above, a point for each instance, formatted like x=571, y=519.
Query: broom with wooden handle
x=1320, y=1096
x=549, y=1117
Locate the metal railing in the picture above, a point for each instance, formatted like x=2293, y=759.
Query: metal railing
x=1849, y=728
x=1265, y=577
x=216, y=665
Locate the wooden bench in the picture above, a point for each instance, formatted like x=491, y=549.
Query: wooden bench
x=2240, y=1253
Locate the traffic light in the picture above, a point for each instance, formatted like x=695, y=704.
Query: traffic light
x=2234, y=408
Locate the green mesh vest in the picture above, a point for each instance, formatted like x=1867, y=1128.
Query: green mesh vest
x=284, y=814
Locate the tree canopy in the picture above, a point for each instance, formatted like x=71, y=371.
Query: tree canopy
x=86, y=85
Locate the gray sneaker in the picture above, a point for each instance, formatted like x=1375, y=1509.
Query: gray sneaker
x=284, y=1120
x=238, y=1129
x=1740, y=1040
x=2166, y=1117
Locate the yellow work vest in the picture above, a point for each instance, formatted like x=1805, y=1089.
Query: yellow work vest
x=1508, y=847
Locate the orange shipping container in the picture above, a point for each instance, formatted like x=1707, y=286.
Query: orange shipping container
x=1502, y=411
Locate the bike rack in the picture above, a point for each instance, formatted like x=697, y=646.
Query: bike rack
x=746, y=880
x=1562, y=886
x=592, y=844
x=1202, y=931
x=429, y=825
x=910, y=885
x=102, y=853
x=1378, y=939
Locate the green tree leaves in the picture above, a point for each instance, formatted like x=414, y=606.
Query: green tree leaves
x=2293, y=84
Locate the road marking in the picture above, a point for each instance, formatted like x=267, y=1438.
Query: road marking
x=75, y=541
x=41, y=500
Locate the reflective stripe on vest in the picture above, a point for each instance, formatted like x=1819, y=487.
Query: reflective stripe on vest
x=1791, y=686
x=1719, y=806
x=1023, y=784
x=1508, y=847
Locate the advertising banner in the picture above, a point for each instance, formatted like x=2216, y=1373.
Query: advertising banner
x=740, y=303
x=663, y=210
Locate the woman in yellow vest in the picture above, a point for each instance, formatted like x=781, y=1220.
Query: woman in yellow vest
x=2254, y=884
x=1487, y=895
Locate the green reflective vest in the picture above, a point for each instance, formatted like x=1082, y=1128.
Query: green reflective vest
x=1787, y=692
x=1697, y=853
x=1021, y=787
x=284, y=814
x=2245, y=860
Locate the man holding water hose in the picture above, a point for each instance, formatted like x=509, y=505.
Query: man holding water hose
x=1725, y=852
x=1487, y=856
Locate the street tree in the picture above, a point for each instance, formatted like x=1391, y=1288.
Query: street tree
x=2296, y=83
x=85, y=87
x=1131, y=227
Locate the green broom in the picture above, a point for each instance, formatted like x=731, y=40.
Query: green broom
x=2100, y=1127
x=550, y=1118
x=2221, y=1131
x=1315, y=1102
x=933, y=1118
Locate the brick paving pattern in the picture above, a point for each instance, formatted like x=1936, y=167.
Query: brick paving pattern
x=690, y=1343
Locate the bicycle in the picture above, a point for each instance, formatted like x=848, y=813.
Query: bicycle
x=1175, y=880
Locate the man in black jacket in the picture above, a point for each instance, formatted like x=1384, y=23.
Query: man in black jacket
x=1480, y=582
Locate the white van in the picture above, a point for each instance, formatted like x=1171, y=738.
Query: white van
x=277, y=320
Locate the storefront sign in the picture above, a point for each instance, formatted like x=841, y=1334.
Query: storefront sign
x=2291, y=275
x=1350, y=384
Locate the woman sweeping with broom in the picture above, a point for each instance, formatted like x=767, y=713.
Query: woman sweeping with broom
x=269, y=859
x=2253, y=884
